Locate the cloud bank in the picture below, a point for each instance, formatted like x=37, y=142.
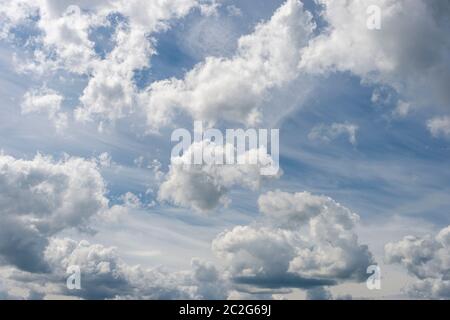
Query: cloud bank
x=304, y=241
x=427, y=258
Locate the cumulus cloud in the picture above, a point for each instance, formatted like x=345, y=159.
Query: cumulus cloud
x=65, y=27
x=427, y=258
x=111, y=92
x=45, y=101
x=13, y=13
x=105, y=275
x=234, y=89
x=205, y=186
x=208, y=281
x=41, y=197
x=64, y=42
x=22, y=245
x=63, y=38
x=439, y=126
x=305, y=241
x=302, y=240
x=408, y=53
x=328, y=133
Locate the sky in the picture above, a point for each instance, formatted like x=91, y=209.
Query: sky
x=91, y=91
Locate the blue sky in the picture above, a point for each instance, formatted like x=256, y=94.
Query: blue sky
x=393, y=172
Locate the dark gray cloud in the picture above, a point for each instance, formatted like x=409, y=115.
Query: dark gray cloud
x=287, y=280
x=319, y=293
x=22, y=246
x=105, y=275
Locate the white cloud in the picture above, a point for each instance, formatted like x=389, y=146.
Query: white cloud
x=234, y=11
x=130, y=200
x=306, y=241
x=41, y=197
x=64, y=43
x=328, y=133
x=409, y=53
x=66, y=28
x=105, y=275
x=104, y=160
x=203, y=187
x=13, y=13
x=402, y=109
x=428, y=259
x=235, y=89
x=303, y=240
x=439, y=126
x=208, y=281
x=45, y=101
x=111, y=92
